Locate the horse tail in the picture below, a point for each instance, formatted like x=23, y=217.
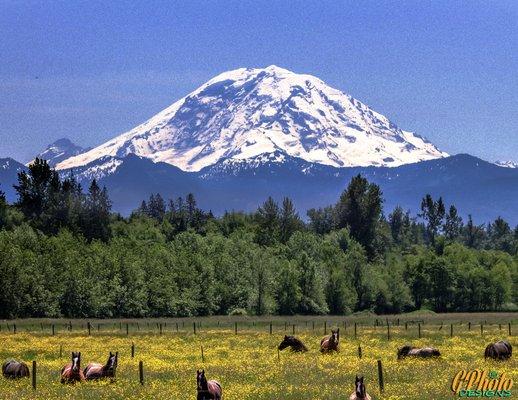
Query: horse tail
x=487, y=352
x=4, y=367
x=24, y=370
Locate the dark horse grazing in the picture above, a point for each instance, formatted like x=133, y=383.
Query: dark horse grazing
x=14, y=369
x=293, y=342
x=98, y=371
x=424, y=352
x=330, y=342
x=360, y=393
x=72, y=373
x=500, y=350
x=207, y=389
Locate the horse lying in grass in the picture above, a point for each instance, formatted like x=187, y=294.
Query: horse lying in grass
x=98, y=371
x=501, y=350
x=71, y=373
x=360, y=392
x=424, y=352
x=293, y=342
x=13, y=369
x=330, y=343
x=207, y=390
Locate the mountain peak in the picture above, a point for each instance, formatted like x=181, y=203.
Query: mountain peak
x=246, y=112
x=60, y=150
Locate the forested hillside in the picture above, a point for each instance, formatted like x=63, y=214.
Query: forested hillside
x=64, y=253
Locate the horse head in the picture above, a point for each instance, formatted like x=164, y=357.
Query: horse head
x=360, y=387
x=201, y=380
x=286, y=342
x=403, y=351
x=111, y=364
x=335, y=335
x=76, y=362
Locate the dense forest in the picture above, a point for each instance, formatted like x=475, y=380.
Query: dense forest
x=63, y=252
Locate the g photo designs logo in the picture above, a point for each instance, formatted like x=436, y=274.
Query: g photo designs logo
x=481, y=383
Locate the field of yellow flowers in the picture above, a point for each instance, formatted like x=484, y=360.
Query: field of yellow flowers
x=248, y=365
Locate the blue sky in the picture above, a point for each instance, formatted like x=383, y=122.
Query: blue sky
x=90, y=70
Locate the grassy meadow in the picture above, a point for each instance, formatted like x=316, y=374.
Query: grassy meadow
x=247, y=364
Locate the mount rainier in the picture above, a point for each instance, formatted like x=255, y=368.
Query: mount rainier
x=252, y=133
x=246, y=113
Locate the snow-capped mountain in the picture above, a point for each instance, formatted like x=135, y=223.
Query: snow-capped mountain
x=60, y=150
x=507, y=164
x=249, y=113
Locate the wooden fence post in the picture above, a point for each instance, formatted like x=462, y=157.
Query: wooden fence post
x=271, y=331
x=388, y=331
x=355, y=330
x=469, y=326
x=293, y=329
x=380, y=376
x=53, y=332
x=141, y=372
x=451, y=330
x=132, y=350
x=202, y=355
x=89, y=327
x=60, y=350
x=509, y=326
x=14, y=328
x=194, y=327
x=34, y=374
x=419, y=330
x=406, y=325
x=359, y=351
x=235, y=328
x=325, y=327
x=481, y=328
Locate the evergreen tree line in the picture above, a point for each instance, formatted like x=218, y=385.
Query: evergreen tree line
x=64, y=253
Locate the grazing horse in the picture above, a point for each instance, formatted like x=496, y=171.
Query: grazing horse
x=72, y=373
x=330, y=342
x=424, y=352
x=360, y=393
x=293, y=342
x=98, y=371
x=500, y=350
x=14, y=369
x=207, y=390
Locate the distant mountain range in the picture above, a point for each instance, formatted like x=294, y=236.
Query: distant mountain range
x=251, y=133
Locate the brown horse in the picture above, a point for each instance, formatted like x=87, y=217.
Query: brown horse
x=501, y=350
x=293, y=342
x=330, y=343
x=360, y=392
x=410, y=351
x=98, y=371
x=13, y=369
x=71, y=373
x=207, y=390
